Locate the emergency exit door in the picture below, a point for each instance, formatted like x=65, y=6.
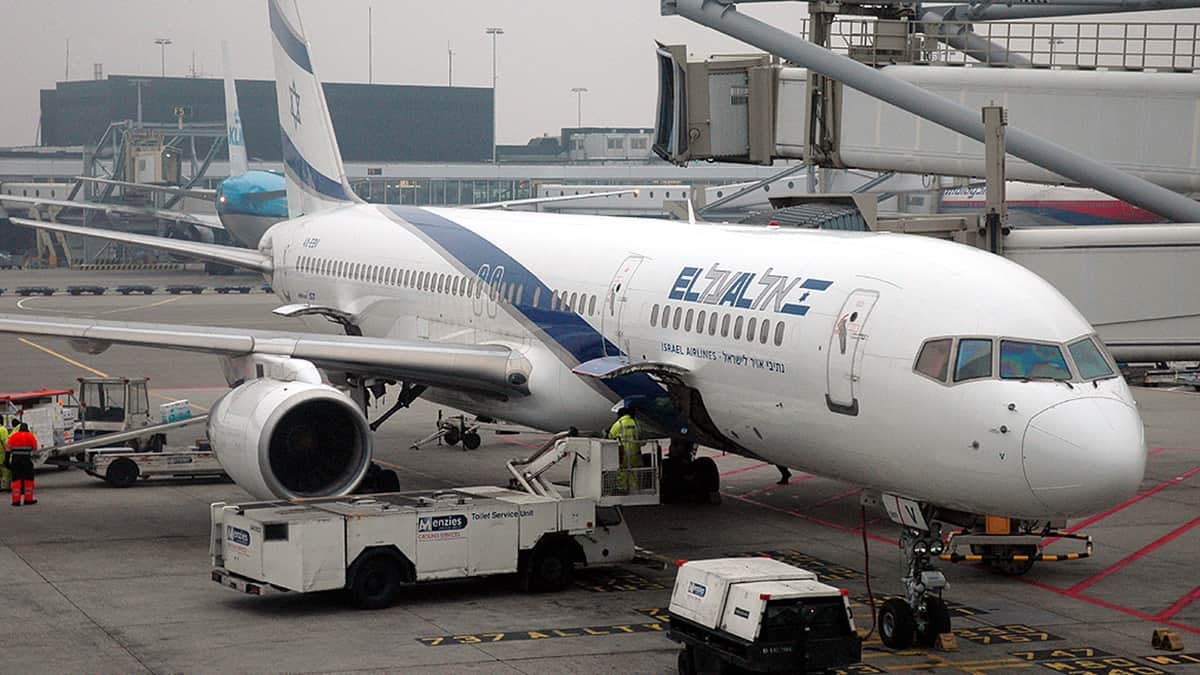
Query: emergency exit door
x=614, y=304
x=846, y=351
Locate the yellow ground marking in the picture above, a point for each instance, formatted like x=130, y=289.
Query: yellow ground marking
x=62, y=357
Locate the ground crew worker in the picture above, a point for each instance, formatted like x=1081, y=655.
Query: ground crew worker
x=625, y=430
x=4, y=477
x=21, y=447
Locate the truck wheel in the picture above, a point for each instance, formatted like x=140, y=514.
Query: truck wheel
x=122, y=473
x=471, y=440
x=550, y=567
x=451, y=436
x=937, y=621
x=376, y=583
x=1005, y=565
x=896, y=624
x=687, y=661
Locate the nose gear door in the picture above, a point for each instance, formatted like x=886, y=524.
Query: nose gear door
x=611, y=327
x=846, y=351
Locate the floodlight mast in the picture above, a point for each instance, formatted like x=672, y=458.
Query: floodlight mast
x=722, y=16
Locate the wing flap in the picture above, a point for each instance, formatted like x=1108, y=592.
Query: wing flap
x=229, y=255
x=211, y=222
x=493, y=369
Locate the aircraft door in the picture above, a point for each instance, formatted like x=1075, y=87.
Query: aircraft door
x=846, y=351
x=615, y=298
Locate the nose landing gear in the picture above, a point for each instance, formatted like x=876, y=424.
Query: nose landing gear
x=921, y=616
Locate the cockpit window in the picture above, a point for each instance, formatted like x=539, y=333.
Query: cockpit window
x=1032, y=361
x=934, y=359
x=1089, y=360
x=974, y=359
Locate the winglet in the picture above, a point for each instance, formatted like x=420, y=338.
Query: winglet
x=316, y=178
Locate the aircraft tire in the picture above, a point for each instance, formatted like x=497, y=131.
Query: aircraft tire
x=897, y=627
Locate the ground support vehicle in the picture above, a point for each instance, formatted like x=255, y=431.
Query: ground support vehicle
x=122, y=404
x=759, y=615
x=122, y=467
x=455, y=428
x=35, y=290
x=127, y=289
x=52, y=416
x=373, y=546
x=225, y=290
x=86, y=290
x=185, y=288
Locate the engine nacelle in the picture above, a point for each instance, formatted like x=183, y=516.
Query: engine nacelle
x=280, y=440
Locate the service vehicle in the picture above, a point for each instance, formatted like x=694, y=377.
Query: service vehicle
x=86, y=289
x=373, y=546
x=35, y=290
x=126, y=289
x=759, y=615
x=184, y=288
x=52, y=416
x=122, y=404
x=122, y=467
x=225, y=290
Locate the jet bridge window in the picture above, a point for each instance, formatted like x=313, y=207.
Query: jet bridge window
x=1089, y=359
x=974, y=359
x=934, y=359
x=1032, y=361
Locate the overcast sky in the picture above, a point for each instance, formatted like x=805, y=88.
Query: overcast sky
x=548, y=47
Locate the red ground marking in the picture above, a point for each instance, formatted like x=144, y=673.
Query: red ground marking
x=773, y=486
x=835, y=498
x=811, y=519
x=744, y=469
x=1108, y=605
x=1143, y=551
x=1126, y=504
x=1179, y=604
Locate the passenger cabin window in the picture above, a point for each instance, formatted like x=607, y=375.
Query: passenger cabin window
x=1089, y=359
x=1032, y=361
x=654, y=315
x=592, y=306
x=934, y=359
x=974, y=359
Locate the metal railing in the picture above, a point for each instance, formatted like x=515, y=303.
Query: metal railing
x=1045, y=44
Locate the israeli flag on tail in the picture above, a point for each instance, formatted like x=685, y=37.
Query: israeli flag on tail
x=238, y=164
x=316, y=178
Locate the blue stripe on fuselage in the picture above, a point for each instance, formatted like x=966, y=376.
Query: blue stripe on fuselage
x=307, y=174
x=568, y=329
x=292, y=45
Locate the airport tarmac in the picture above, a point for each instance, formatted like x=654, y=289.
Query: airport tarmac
x=98, y=579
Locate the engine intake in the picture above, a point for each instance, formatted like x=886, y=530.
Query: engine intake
x=290, y=439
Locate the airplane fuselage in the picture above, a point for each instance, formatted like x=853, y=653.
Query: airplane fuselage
x=801, y=344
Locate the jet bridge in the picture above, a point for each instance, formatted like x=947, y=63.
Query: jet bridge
x=755, y=110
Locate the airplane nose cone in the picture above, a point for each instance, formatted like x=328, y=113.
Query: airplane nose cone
x=1084, y=455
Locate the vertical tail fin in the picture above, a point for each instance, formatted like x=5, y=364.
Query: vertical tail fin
x=316, y=178
x=238, y=164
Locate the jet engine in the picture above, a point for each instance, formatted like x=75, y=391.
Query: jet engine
x=281, y=440
x=191, y=232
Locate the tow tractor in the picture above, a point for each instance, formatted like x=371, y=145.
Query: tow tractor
x=112, y=405
x=759, y=615
x=373, y=546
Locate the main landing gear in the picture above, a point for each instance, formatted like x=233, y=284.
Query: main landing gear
x=922, y=615
x=687, y=478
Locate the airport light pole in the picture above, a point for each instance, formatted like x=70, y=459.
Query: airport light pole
x=494, y=32
x=162, y=44
x=579, y=91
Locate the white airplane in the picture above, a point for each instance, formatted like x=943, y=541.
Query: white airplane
x=949, y=380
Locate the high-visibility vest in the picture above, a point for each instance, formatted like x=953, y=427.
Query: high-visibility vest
x=625, y=430
x=3, y=437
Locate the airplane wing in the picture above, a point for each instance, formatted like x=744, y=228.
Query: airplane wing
x=199, y=193
x=489, y=369
x=229, y=255
x=203, y=220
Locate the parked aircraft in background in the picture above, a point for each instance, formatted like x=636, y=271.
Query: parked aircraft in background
x=1031, y=204
x=947, y=379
